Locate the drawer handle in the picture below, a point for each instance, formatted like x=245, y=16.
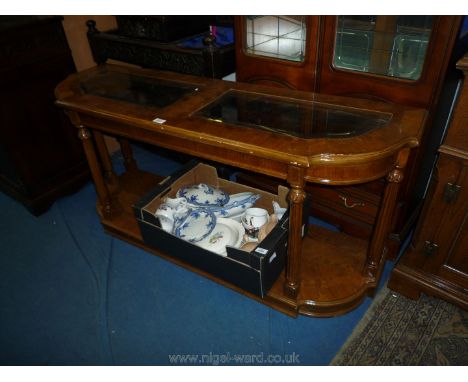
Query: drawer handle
x=345, y=200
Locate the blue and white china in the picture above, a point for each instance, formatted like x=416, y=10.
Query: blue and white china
x=180, y=208
x=165, y=215
x=176, y=203
x=238, y=203
x=242, y=197
x=226, y=232
x=203, y=195
x=197, y=225
x=202, y=208
x=170, y=217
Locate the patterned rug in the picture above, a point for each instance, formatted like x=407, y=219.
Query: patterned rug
x=403, y=332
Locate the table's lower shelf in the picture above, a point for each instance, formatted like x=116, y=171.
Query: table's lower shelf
x=331, y=270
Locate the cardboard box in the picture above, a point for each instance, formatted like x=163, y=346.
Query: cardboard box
x=254, y=271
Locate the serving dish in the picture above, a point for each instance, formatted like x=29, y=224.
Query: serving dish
x=237, y=204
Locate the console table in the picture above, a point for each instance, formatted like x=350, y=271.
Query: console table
x=296, y=136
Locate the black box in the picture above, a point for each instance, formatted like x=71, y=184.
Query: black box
x=254, y=271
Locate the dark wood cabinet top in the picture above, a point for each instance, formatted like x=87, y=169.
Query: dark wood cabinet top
x=14, y=22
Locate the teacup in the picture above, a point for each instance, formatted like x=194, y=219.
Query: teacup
x=256, y=217
x=253, y=220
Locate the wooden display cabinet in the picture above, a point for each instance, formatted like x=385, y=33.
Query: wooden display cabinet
x=437, y=260
x=395, y=59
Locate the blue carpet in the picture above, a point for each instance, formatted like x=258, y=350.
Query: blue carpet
x=72, y=295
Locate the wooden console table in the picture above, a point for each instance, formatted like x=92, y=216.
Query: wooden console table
x=296, y=136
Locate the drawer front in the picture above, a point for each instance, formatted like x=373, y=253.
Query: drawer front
x=353, y=210
x=349, y=201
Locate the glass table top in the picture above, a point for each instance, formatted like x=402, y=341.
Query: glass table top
x=303, y=119
x=143, y=91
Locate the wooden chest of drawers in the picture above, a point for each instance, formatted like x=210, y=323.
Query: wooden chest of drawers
x=437, y=261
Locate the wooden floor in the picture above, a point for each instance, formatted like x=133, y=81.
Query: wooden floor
x=331, y=279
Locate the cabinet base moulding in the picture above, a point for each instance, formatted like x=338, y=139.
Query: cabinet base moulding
x=411, y=283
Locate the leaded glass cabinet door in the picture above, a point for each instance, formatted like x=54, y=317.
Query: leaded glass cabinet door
x=281, y=37
x=392, y=46
x=277, y=50
x=400, y=59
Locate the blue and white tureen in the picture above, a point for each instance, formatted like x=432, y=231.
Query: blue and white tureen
x=203, y=195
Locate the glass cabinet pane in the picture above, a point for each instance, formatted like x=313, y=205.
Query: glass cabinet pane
x=135, y=89
x=280, y=37
x=387, y=45
x=303, y=119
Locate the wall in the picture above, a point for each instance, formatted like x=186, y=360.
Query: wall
x=75, y=30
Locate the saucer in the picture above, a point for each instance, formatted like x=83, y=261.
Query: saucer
x=226, y=232
x=197, y=225
x=203, y=195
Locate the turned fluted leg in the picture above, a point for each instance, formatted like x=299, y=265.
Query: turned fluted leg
x=106, y=161
x=376, y=251
x=127, y=153
x=101, y=189
x=296, y=198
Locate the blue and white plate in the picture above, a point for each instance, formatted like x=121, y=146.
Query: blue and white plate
x=203, y=195
x=197, y=225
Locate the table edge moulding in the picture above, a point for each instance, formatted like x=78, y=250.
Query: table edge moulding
x=327, y=273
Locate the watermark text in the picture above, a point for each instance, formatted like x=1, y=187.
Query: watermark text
x=214, y=359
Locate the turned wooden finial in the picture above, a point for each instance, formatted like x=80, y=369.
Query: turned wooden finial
x=91, y=24
x=83, y=133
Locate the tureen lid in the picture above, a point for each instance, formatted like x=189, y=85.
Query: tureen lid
x=203, y=195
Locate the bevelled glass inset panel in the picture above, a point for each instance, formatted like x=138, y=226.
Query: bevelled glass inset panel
x=135, y=89
x=387, y=45
x=280, y=37
x=304, y=119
